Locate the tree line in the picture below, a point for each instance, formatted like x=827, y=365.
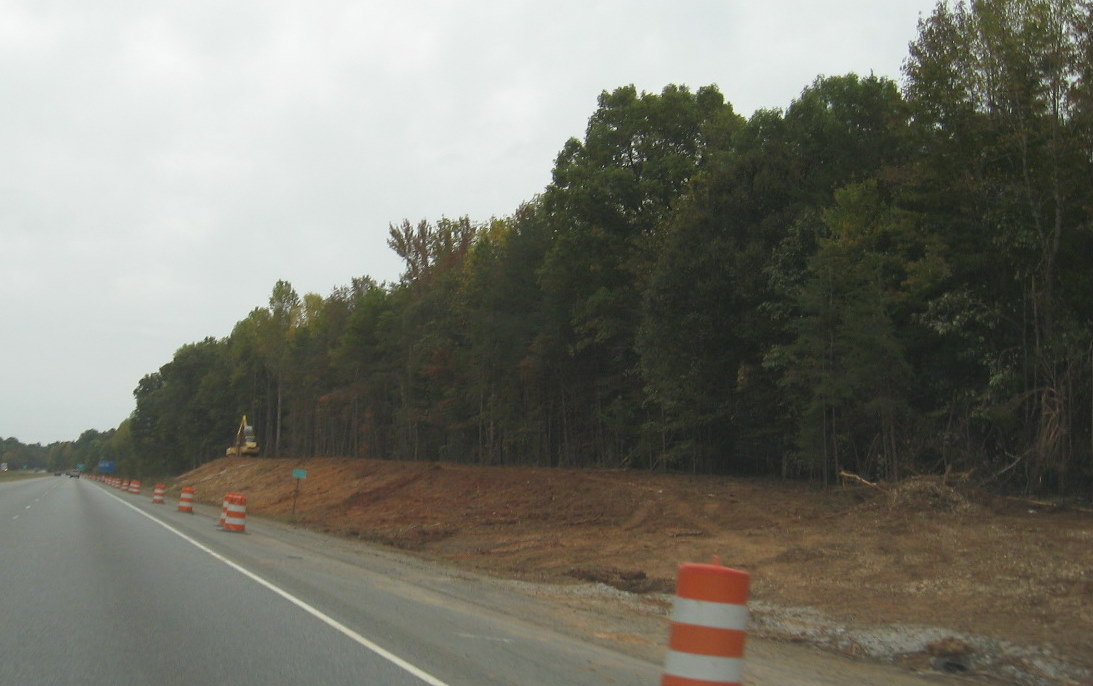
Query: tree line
x=878, y=278
x=87, y=450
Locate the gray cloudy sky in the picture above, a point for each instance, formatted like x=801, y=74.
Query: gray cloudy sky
x=164, y=163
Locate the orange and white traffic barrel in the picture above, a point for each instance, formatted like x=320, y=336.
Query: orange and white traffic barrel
x=709, y=627
x=134, y=486
x=186, y=500
x=224, y=510
x=235, y=516
x=157, y=493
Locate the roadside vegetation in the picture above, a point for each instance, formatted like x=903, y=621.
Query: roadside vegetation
x=880, y=279
x=12, y=475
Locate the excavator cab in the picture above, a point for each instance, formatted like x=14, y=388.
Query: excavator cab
x=245, y=441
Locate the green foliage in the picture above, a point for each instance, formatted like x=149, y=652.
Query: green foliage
x=182, y=412
x=19, y=455
x=1000, y=91
x=737, y=249
x=609, y=207
x=91, y=447
x=846, y=367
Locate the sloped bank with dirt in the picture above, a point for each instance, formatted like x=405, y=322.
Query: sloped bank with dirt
x=928, y=574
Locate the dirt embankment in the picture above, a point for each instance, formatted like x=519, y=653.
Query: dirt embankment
x=927, y=573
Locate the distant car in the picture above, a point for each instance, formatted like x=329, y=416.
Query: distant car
x=73, y=474
x=56, y=473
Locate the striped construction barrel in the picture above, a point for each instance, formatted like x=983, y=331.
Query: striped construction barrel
x=709, y=625
x=186, y=500
x=235, y=513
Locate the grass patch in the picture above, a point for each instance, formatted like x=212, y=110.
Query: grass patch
x=20, y=475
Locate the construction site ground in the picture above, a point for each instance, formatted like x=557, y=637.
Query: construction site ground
x=931, y=573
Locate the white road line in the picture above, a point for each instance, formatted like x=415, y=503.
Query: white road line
x=326, y=619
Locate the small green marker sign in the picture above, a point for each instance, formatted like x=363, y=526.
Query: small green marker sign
x=297, y=474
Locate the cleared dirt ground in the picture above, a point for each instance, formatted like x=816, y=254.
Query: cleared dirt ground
x=929, y=573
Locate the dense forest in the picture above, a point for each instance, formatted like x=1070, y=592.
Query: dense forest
x=883, y=278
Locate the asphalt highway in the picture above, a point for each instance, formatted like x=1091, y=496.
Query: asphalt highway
x=103, y=587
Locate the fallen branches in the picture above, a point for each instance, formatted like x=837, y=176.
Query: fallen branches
x=854, y=477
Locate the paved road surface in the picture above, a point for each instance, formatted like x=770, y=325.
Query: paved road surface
x=101, y=587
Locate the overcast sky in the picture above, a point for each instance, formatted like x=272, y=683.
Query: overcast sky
x=164, y=163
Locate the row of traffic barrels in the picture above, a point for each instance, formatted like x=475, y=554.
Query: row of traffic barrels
x=233, y=512
x=127, y=485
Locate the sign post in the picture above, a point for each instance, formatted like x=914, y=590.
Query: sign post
x=298, y=474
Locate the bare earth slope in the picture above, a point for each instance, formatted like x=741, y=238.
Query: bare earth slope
x=925, y=573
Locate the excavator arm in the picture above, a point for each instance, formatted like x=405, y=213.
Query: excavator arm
x=245, y=441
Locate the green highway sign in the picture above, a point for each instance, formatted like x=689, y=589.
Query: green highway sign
x=299, y=473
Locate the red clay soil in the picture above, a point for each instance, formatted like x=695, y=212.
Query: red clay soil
x=927, y=552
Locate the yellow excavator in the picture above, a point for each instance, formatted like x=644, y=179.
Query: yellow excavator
x=245, y=442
